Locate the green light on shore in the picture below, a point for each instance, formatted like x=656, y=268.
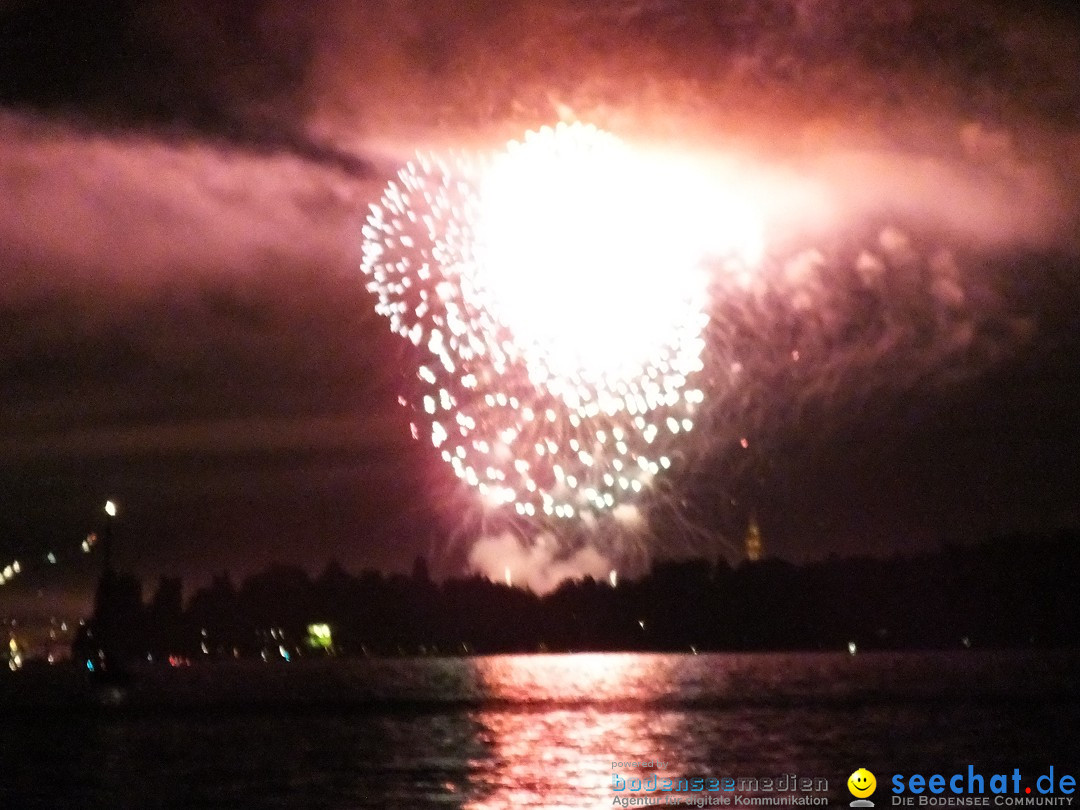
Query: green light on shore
x=320, y=637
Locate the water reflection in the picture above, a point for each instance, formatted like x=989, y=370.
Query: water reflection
x=554, y=743
x=563, y=721
x=532, y=731
x=553, y=725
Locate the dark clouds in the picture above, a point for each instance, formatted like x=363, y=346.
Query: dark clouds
x=267, y=69
x=182, y=323
x=183, y=328
x=209, y=65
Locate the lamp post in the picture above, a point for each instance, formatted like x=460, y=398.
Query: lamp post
x=107, y=539
x=105, y=619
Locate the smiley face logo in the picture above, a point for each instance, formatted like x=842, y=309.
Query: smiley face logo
x=861, y=783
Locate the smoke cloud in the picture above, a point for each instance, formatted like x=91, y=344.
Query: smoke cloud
x=540, y=565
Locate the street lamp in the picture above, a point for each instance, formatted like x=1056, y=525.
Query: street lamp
x=107, y=540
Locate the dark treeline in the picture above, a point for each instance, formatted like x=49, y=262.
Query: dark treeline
x=1014, y=592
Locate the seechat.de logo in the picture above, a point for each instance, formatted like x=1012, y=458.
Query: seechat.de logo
x=862, y=784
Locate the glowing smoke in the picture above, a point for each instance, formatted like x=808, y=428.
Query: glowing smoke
x=539, y=565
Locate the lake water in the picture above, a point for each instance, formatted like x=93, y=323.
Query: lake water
x=527, y=731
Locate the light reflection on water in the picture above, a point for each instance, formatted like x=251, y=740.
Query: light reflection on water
x=562, y=758
x=532, y=731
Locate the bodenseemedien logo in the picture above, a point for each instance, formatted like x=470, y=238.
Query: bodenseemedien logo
x=862, y=785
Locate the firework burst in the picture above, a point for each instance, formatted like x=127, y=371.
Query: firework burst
x=561, y=304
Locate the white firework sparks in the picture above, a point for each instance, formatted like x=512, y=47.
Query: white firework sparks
x=561, y=298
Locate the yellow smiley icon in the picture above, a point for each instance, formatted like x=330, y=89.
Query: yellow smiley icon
x=861, y=783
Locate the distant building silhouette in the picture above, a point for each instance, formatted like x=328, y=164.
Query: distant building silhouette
x=755, y=548
x=420, y=573
x=113, y=636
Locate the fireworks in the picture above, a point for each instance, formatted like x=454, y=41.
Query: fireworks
x=559, y=294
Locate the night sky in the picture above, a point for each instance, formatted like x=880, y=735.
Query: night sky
x=184, y=326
